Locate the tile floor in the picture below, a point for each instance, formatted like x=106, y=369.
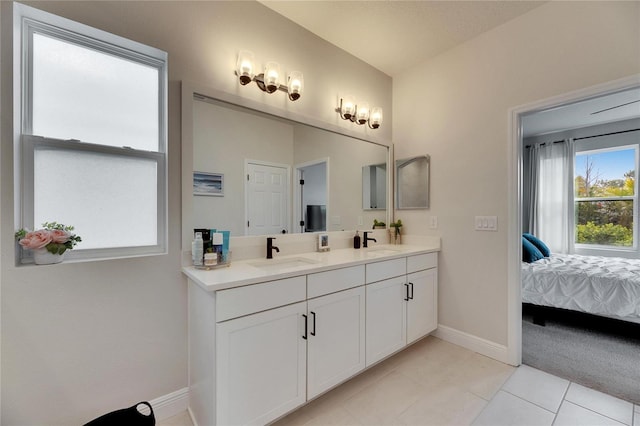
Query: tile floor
x=437, y=383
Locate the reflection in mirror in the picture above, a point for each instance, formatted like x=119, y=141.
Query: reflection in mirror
x=264, y=160
x=374, y=187
x=412, y=182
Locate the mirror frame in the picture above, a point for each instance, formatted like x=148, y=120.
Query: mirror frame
x=190, y=90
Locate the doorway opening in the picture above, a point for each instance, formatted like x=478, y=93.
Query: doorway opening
x=311, y=196
x=551, y=119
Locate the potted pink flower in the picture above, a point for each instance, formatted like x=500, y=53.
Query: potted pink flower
x=50, y=243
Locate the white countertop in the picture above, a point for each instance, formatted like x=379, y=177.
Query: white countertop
x=253, y=271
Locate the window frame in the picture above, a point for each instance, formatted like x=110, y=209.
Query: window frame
x=27, y=21
x=599, y=249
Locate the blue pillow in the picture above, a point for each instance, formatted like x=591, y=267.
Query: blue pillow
x=539, y=244
x=529, y=252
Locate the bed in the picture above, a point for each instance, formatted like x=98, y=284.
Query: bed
x=604, y=286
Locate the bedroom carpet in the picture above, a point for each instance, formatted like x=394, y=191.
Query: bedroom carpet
x=595, y=352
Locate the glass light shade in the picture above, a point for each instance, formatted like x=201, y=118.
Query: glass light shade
x=295, y=85
x=375, y=118
x=347, y=107
x=244, y=67
x=362, y=113
x=272, y=76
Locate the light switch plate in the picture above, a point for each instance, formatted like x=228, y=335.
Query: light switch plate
x=486, y=223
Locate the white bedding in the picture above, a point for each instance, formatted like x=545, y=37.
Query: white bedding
x=606, y=286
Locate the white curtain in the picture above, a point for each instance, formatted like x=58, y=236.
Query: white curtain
x=552, y=196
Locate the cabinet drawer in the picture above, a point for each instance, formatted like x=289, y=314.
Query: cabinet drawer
x=422, y=261
x=378, y=271
x=336, y=280
x=239, y=301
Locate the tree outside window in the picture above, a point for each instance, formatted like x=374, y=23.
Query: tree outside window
x=605, y=197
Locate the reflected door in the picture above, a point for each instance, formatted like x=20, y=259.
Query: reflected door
x=267, y=199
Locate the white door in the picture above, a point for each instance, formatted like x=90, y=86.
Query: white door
x=267, y=192
x=336, y=339
x=386, y=318
x=261, y=366
x=422, y=317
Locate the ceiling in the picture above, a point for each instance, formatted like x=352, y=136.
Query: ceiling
x=604, y=109
x=395, y=35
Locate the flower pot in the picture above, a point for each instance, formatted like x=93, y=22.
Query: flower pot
x=44, y=257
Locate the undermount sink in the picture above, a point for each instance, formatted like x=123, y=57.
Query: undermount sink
x=383, y=251
x=292, y=262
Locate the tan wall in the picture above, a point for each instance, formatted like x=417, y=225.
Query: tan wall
x=456, y=108
x=79, y=339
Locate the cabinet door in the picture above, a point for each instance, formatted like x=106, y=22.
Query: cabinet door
x=261, y=366
x=336, y=339
x=386, y=318
x=422, y=315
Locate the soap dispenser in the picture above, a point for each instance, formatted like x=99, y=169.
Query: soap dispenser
x=356, y=241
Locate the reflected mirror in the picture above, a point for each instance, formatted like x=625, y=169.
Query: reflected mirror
x=374, y=187
x=412, y=182
x=279, y=176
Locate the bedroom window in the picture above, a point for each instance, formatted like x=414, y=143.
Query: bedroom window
x=93, y=135
x=605, y=197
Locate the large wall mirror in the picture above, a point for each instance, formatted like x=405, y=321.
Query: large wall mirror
x=260, y=174
x=374, y=187
x=412, y=182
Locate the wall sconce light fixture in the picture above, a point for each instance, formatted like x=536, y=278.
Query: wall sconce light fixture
x=359, y=114
x=270, y=79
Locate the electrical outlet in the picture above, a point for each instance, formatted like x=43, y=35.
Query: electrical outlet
x=433, y=222
x=360, y=222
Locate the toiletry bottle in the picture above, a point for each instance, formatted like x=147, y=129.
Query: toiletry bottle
x=210, y=259
x=197, y=250
x=217, y=240
x=356, y=241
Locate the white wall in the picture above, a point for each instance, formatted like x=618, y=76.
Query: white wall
x=80, y=339
x=456, y=108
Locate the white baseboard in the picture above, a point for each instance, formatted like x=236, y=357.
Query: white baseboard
x=471, y=342
x=171, y=404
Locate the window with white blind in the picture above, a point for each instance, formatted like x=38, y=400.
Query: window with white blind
x=93, y=135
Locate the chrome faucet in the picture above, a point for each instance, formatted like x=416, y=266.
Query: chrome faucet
x=271, y=247
x=367, y=238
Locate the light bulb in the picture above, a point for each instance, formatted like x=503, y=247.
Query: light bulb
x=244, y=67
x=272, y=76
x=295, y=86
x=348, y=107
x=375, y=119
x=362, y=114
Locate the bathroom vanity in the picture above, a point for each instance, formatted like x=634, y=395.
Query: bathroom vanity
x=268, y=335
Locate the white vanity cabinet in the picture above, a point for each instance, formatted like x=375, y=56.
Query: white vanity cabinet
x=336, y=339
x=261, y=366
x=280, y=343
x=260, y=350
x=402, y=297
